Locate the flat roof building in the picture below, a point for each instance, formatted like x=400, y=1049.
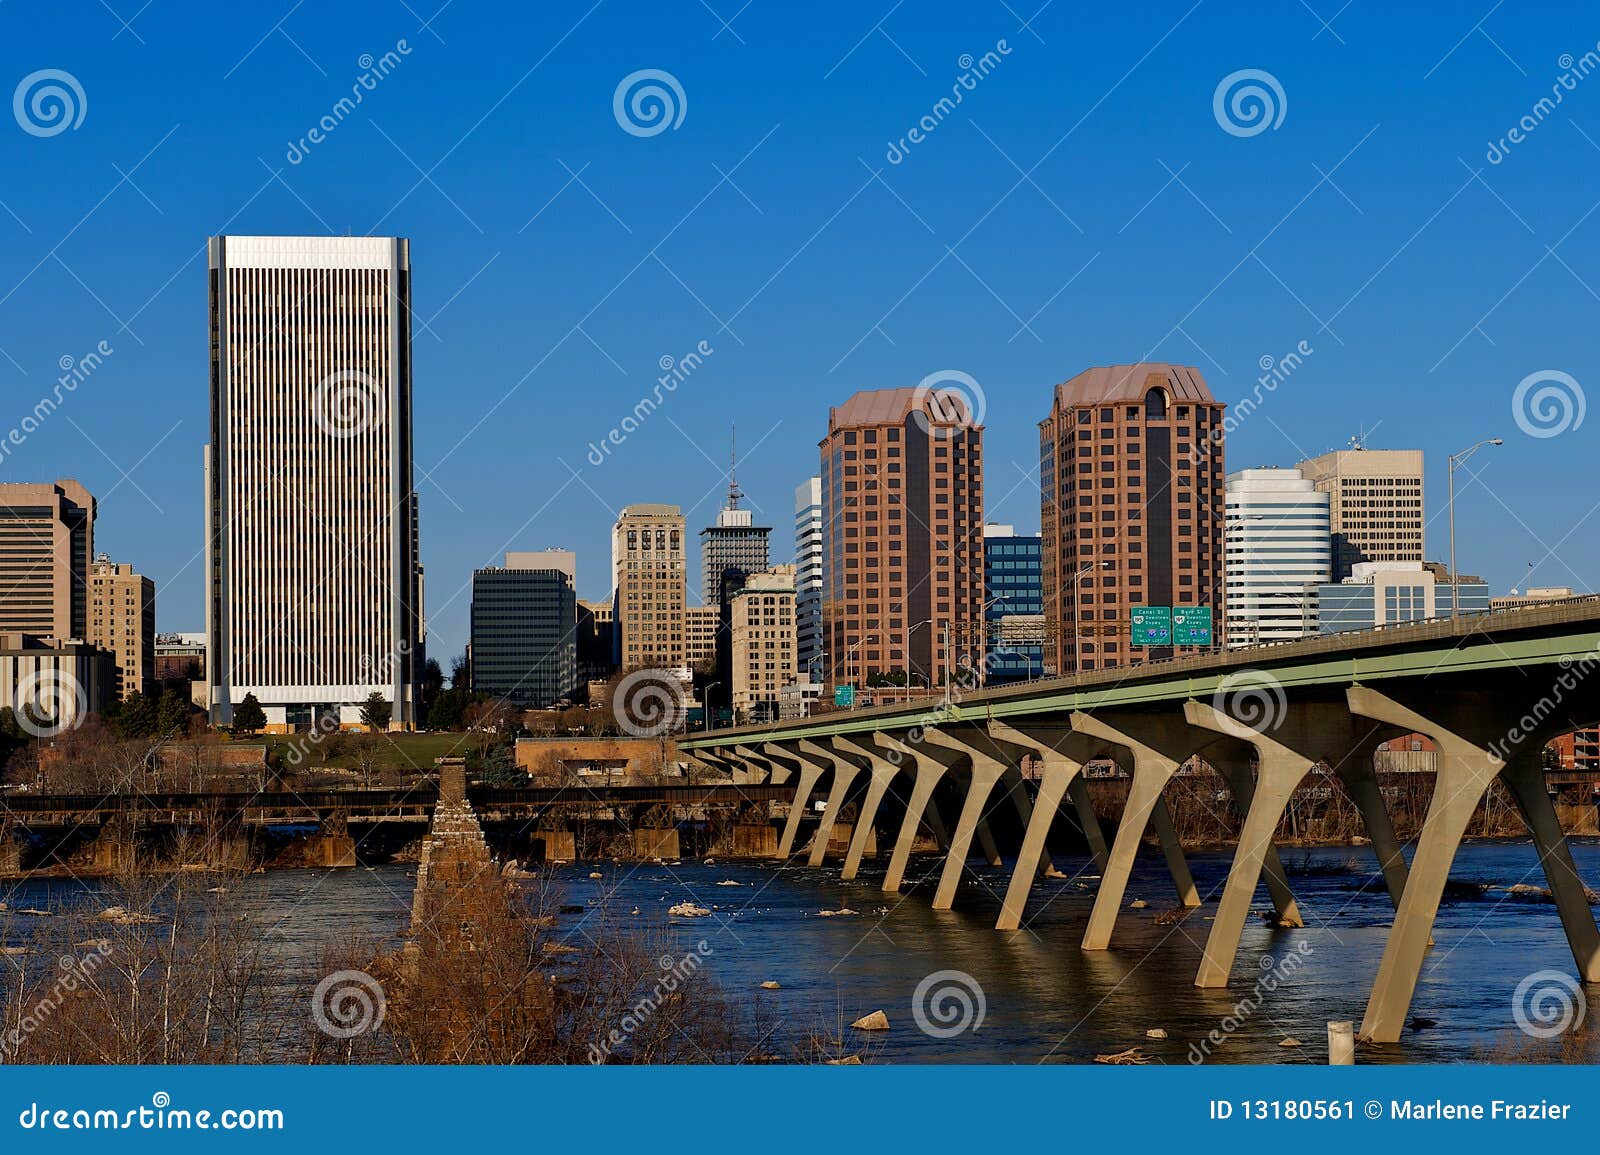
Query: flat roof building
x=524, y=629
x=46, y=545
x=1375, y=509
x=122, y=620
x=311, y=519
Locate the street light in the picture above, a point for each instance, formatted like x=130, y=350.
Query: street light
x=1454, y=461
x=983, y=624
x=849, y=654
x=923, y=622
x=1077, y=610
x=706, y=697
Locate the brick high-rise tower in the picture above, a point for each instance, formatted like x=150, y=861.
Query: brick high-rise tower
x=902, y=529
x=1131, y=502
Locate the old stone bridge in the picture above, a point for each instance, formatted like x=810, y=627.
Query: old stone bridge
x=1489, y=690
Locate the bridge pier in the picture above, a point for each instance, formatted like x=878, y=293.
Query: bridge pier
x=846, y=768
x=1470, y=734
x=1061, y=772
x=932, y=763
x=757, y=762
x=881, y=773
x=332, y=845
x=986, y=772
x=10, y=849
x=1158, y=746
x=807, y=774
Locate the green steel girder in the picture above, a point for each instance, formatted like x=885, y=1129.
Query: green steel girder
x=1474, y=653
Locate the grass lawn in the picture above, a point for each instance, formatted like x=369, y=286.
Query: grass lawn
x=397, y=752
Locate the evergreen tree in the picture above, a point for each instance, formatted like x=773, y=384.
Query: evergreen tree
x=248, y=716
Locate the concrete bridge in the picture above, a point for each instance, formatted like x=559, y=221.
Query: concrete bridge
x=1489, y=690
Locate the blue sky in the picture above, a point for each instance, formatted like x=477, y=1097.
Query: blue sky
x=1083, y=205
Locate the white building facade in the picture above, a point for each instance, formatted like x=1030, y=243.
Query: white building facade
x=314, y=587
x=1277, y=551
x=808, y=575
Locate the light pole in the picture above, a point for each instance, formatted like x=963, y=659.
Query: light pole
x=848, y=657
x=1077, y=610
x=1454, y=461
x=983, y=625
x=709, y=688
x=923, y=622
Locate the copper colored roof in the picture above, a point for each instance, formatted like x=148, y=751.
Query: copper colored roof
x=890, y=406
x=1116, y=383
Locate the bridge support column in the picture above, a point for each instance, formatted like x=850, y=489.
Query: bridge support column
x=775, y=772
x=1235, y=770
x=807, y=774
x=1525, y=779
x=1089, y=822
x=1158, y=746
x=1058, y=776
x=10, y=850
x=987, y=846
x=1470, y=745
x=1300, y=735
x=980, y=784
x=932, y=763
x=882, y=772
x=845, y=771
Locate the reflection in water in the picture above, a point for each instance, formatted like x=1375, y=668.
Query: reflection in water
x=1044, y=999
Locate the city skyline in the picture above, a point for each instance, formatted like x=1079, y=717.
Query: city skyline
x=1415, y=274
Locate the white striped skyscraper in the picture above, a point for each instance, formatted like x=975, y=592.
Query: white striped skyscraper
x=1278, y=549
x=314, y=589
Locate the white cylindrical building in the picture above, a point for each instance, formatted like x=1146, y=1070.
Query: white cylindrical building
x=1277, y=550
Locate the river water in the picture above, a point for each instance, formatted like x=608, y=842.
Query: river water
x=1043, y=999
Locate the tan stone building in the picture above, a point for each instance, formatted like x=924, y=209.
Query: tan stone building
x=699, y=635
x=122, y=619
x=1374, y=505
x=902, y=527
x=1131, y=509
x=647, y=556
x=765, y=652
x=46, y=544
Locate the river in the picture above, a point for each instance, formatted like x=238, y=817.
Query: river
x=1043, y=999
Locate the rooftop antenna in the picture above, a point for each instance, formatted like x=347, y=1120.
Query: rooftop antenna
x=733, y=466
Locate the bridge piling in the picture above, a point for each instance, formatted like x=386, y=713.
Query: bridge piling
x=846, y=769
x=881, y=773
x=1153, y=744
x=930, y=769
x=808, y=773
x=1469, y=732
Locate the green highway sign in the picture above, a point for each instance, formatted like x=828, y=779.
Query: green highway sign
x=844, y=695
x=1151, y=625
x=1191, y=625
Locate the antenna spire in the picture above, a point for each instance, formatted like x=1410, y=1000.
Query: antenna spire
x=733, y=466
